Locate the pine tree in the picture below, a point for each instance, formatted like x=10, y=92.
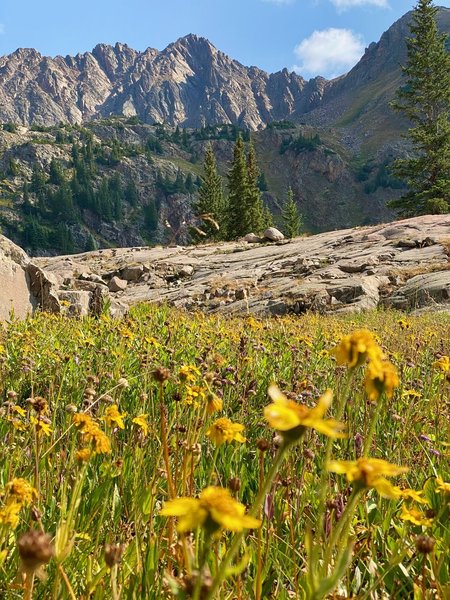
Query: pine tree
x=291, y=218
x=425, y=100
x=210, y=199
x=253, y=214
x=236, y=223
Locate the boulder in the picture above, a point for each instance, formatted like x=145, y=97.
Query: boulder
x=422, y=290
x=273, y=234
x=15, y=296
x=44, y=287
x=186, y=271
x=117, y=285
x=75, y=303
x=252, y=238
x=132, y=273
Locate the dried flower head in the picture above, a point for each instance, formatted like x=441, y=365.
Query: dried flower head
x=113, y=554
x=35, y=549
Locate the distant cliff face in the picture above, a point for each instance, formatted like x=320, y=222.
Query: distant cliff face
x=189, y=83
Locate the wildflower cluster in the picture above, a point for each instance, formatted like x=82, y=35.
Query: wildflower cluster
x=359, y=347
x=91, y=434
x=17, y=494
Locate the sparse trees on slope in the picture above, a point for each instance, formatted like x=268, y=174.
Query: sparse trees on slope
x=292, y=220
x=210, y=201
x=425, y=100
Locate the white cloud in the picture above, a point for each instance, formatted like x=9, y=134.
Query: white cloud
x=279, y=2
x=329, y=52
x=344, y=4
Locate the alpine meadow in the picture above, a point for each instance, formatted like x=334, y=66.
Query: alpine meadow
x=224, y=306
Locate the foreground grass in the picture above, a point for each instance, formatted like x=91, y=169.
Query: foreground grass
x=150, y=384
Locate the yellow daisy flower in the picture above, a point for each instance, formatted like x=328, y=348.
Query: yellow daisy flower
x=9, y=514
x=223, y=430
x=369, y=473
x=415, y=516
x=355, y=348
x=213, y=403
x=442, y=486
x=443, y=364
x=112, y=417
x=142, y=422
x=381, y=376
x=291, y=418
x=22, y=491
x=214, y=510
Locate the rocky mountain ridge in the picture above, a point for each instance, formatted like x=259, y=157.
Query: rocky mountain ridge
x=191, y=83
x=404, y=264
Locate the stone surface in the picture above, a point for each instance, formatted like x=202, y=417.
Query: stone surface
x=15, y=294
x=44, y=287
x=273, y=234
x=117, y=285
x=348, y=270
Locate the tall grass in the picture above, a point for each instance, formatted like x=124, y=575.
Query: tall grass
x=149, y=387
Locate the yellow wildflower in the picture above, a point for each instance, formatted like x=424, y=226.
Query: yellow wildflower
x=9, y=514
x=411, y=394
x=194, y=394
x=19, y=410
x=369, y=473
x=83, y=455
x=142, y=422
x=442, y=486
x=92, y=433
x=41, y=426
x=214, y=510
x=381, y=376
x=408, y=494
x=291, y=418
x=112, y=417
x=21, y=490
x=213, y=403
x=415, y=516
x=223, y=430
x=443, y=364
x=355, y=348
x=189, y=373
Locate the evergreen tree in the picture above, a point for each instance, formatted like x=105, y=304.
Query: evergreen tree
x=425, y=100
x=210, y=198
x=253, y=206
x=236, y=221
x=291, y=218
x=56, y=175
x=131, y=193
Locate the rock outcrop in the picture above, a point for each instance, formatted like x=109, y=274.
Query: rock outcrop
x=16, y=298
x=404, y=265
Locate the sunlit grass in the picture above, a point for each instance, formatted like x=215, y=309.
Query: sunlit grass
x=108, y=420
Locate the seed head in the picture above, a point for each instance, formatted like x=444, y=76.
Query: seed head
x=35, y=549
x=425, y=544
x=161, y=374
x=263, y=445
x=113, y=554
x=234, y=483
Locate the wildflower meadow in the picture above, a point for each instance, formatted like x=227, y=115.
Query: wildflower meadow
x=176, y=455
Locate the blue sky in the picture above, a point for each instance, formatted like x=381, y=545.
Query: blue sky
x=314, y=37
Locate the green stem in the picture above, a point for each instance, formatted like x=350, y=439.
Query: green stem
x=373, y=424
x=235, y=545
x=343, y=524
